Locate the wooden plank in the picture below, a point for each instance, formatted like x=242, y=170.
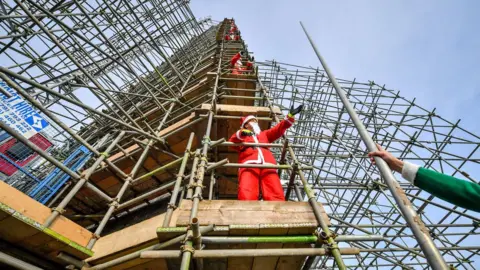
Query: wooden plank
x=138, y=263
x=227, y=212
x=125, y=241
x=136, y=237
x=21, y=230
x=242, y=263
x=38, y=212
x=4, y=215
x=23, y=204
x=268, y=263
x=228, y=109
x=49, y=244
x=216, y=263
x=160, y=264
x=293, y=262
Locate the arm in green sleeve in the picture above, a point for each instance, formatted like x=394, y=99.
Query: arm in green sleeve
x=453, y=190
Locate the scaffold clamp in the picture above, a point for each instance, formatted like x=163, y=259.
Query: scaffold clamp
x=171, y=206
x=186, y=248
x=195, y=185
x=329, y=248
x=206, y=140
x=476, y=224
x=199, y=196
x=114, y=203
x=59, y=210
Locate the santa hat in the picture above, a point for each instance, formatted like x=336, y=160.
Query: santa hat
x=245, y=119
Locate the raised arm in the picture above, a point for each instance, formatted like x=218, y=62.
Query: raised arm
x=279, y=129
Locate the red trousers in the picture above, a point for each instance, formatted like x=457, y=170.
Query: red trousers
x=249, y=180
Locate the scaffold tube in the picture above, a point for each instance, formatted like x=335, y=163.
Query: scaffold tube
x=414, y=221
x=230, y=253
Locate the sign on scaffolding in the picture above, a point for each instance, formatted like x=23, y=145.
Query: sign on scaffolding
x=14, y=105
x=10, y=117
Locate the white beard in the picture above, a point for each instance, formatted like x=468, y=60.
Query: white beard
x=256, y=128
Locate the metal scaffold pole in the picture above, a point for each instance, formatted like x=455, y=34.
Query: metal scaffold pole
x=414, y=221
x=327, y=235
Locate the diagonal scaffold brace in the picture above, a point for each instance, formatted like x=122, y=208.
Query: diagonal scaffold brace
x=414, y=221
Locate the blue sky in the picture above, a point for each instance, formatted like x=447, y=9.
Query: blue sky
x=429, y=50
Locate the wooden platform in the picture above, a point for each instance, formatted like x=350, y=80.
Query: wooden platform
x=21, y=220
x=260, y=213
x=109, y=182
x=234, y=218
x=136, y=237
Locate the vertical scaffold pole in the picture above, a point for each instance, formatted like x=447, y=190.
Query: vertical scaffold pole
x=328, y=236
x=178, y=182
x=187, y=248
x=418, y=228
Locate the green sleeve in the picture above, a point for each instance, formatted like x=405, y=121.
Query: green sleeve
x=453, y=190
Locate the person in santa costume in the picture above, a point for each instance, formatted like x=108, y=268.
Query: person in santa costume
x=249, y=179
x=230, y=37
x=237, y=65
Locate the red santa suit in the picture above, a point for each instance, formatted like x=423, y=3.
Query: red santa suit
x=250, y=178
x=237, y=65
x=232, y=37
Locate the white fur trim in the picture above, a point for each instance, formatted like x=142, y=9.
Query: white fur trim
x=259, y=150
x=252, y=162
x=238, y=135
x=409, y=171
x=248, y=118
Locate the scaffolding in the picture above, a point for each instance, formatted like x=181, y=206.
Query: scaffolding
x=148, y=91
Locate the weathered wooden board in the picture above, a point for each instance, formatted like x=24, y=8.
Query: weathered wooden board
x=28, y=233
x=148, y=264
x=268, y=263
x=26, y=215
x=293, y=262
x=228, y=212
x=242, y=263
x=236, y=110
x=130, y=239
